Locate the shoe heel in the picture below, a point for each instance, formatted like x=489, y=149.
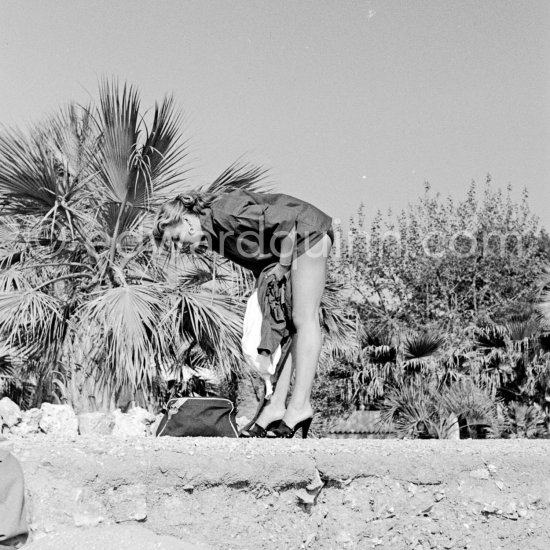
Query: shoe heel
x=305, y=427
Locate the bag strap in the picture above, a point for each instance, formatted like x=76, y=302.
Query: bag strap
x=285, y=352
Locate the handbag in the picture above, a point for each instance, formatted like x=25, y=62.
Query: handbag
x=199, y=417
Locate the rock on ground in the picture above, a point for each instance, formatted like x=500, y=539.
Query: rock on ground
x=134, y=423
x=95, y=422
x=10, y=413
x=58, y=420
x=30, y=423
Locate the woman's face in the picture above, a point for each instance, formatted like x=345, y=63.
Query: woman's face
x=186, y=236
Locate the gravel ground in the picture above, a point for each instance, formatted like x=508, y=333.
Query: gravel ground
x=285, y=494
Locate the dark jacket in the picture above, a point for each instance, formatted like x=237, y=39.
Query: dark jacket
x=247, y=228
x=275, y=301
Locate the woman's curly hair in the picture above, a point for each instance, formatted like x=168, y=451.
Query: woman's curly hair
x=173, y=211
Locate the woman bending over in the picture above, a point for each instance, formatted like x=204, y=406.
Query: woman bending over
x=256, y=230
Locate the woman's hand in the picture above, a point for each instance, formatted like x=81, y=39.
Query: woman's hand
x=279, y=272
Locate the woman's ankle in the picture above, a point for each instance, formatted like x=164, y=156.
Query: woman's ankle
x=270, y=413
x=298, y=413
x=299, y=407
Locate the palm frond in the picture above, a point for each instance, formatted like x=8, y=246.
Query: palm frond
x=239, y=176
x=470, y=402
x=524, y=421
x=12, y=241
x=543, y=306
x=14, y=382
x=119, y=119
x=137, y=167
x=418, y=349
x=522, y=330
x=165, y=155
x=491, y=336
x=125, y=321
x=339, y=327
x=27, y=318
x=45, y=175
x=380, y=354
x=29, y=179
x=378, y=346
x=71, y=138
x=215, y=322
x=194, y=275
x=408, y=407
x=119, y=218
x=10, y=359
x=13, y=279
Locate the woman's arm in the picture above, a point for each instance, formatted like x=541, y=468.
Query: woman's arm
x=285, y=256
x=287, y=248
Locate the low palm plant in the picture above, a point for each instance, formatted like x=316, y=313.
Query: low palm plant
x=511, y=358
x=524, y=421
x=385, y=359
x=421, y=407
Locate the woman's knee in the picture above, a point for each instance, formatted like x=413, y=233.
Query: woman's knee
x=305, y=320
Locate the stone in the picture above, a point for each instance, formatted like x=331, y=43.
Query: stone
x=30, y=423
x=316, y=483
x=89, y=511
x=127, y=502
x=95, y=423
x=58, y=420
x=134, y=423
x=10, y=413
x=304, y=497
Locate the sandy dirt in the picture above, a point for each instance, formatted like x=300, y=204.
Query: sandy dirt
x=286, y=494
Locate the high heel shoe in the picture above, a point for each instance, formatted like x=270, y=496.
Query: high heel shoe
x=258, y=431
x=284, y=430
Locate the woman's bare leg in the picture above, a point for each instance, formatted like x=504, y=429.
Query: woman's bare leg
x=274, y=409
x=308, y=283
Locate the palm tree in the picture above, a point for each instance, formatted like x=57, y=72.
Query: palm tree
x=82, y=294
x=94, y=311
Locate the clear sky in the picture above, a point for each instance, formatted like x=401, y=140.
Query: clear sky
x=346, y=101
